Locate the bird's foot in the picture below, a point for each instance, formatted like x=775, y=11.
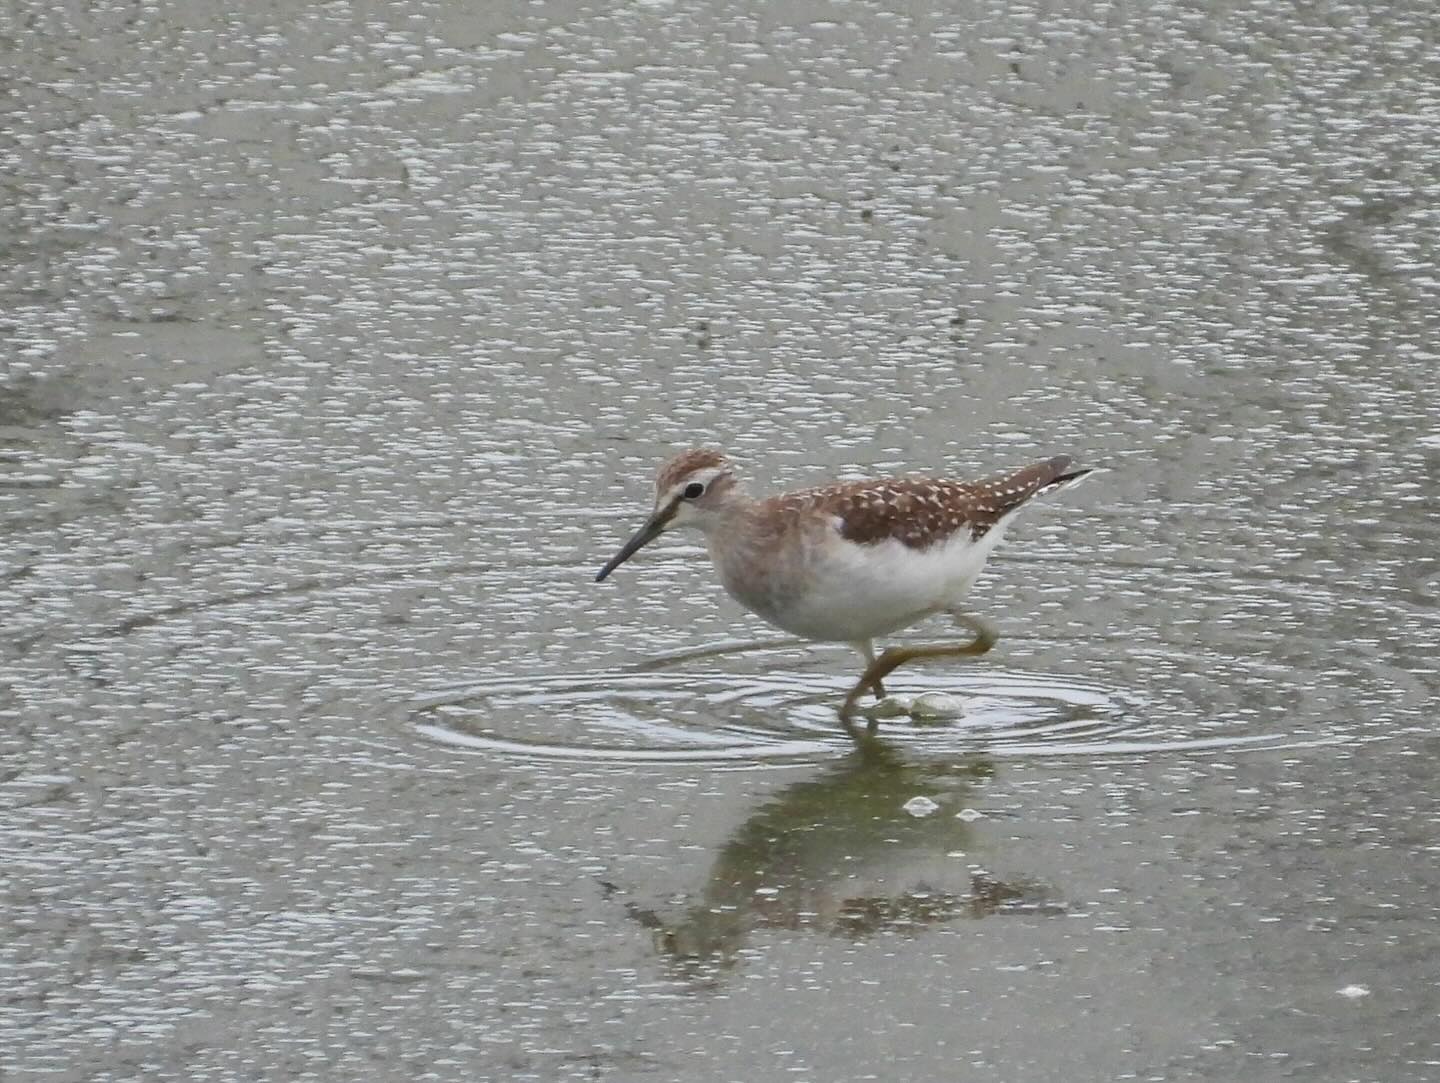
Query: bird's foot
x=895, y=657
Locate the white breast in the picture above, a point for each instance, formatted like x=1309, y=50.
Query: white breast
x=847, y=592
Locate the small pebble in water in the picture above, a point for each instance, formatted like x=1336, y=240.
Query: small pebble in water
x=936, y=705
x=969, y=815
x=1354, y=991
x=920, y=806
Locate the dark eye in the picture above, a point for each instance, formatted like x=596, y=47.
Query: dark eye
x=694, y=491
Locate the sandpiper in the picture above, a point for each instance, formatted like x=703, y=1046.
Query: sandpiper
x=851, y=561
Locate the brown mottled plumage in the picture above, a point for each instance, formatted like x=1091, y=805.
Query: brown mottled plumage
x=919, y=512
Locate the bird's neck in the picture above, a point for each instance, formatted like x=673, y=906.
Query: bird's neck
x=735, y=535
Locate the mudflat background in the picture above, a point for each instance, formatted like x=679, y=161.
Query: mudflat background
x=338, y=345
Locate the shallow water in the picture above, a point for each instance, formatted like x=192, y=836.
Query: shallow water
x=339, y=348
x=779, y=716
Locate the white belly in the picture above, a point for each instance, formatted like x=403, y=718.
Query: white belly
x=848, y=592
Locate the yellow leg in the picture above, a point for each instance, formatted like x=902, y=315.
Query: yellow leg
x=867, y=649
x=895, y=657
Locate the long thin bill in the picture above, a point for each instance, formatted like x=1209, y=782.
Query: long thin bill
x=643, y=537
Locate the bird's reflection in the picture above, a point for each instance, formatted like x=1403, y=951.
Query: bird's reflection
x=841, y=855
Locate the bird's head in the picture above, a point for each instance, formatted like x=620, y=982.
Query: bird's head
x=692, y=489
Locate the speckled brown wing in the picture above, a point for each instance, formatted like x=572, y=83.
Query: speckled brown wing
x=921, y=512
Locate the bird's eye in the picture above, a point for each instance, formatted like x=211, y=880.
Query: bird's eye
x=694, y=491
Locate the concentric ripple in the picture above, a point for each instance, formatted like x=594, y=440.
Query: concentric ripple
x=781, y=716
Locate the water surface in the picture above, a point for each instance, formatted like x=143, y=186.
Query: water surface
x=339, y=347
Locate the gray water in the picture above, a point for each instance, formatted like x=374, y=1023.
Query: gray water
x=338, y=346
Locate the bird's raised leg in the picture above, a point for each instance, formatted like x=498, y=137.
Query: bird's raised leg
x=895, y=657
